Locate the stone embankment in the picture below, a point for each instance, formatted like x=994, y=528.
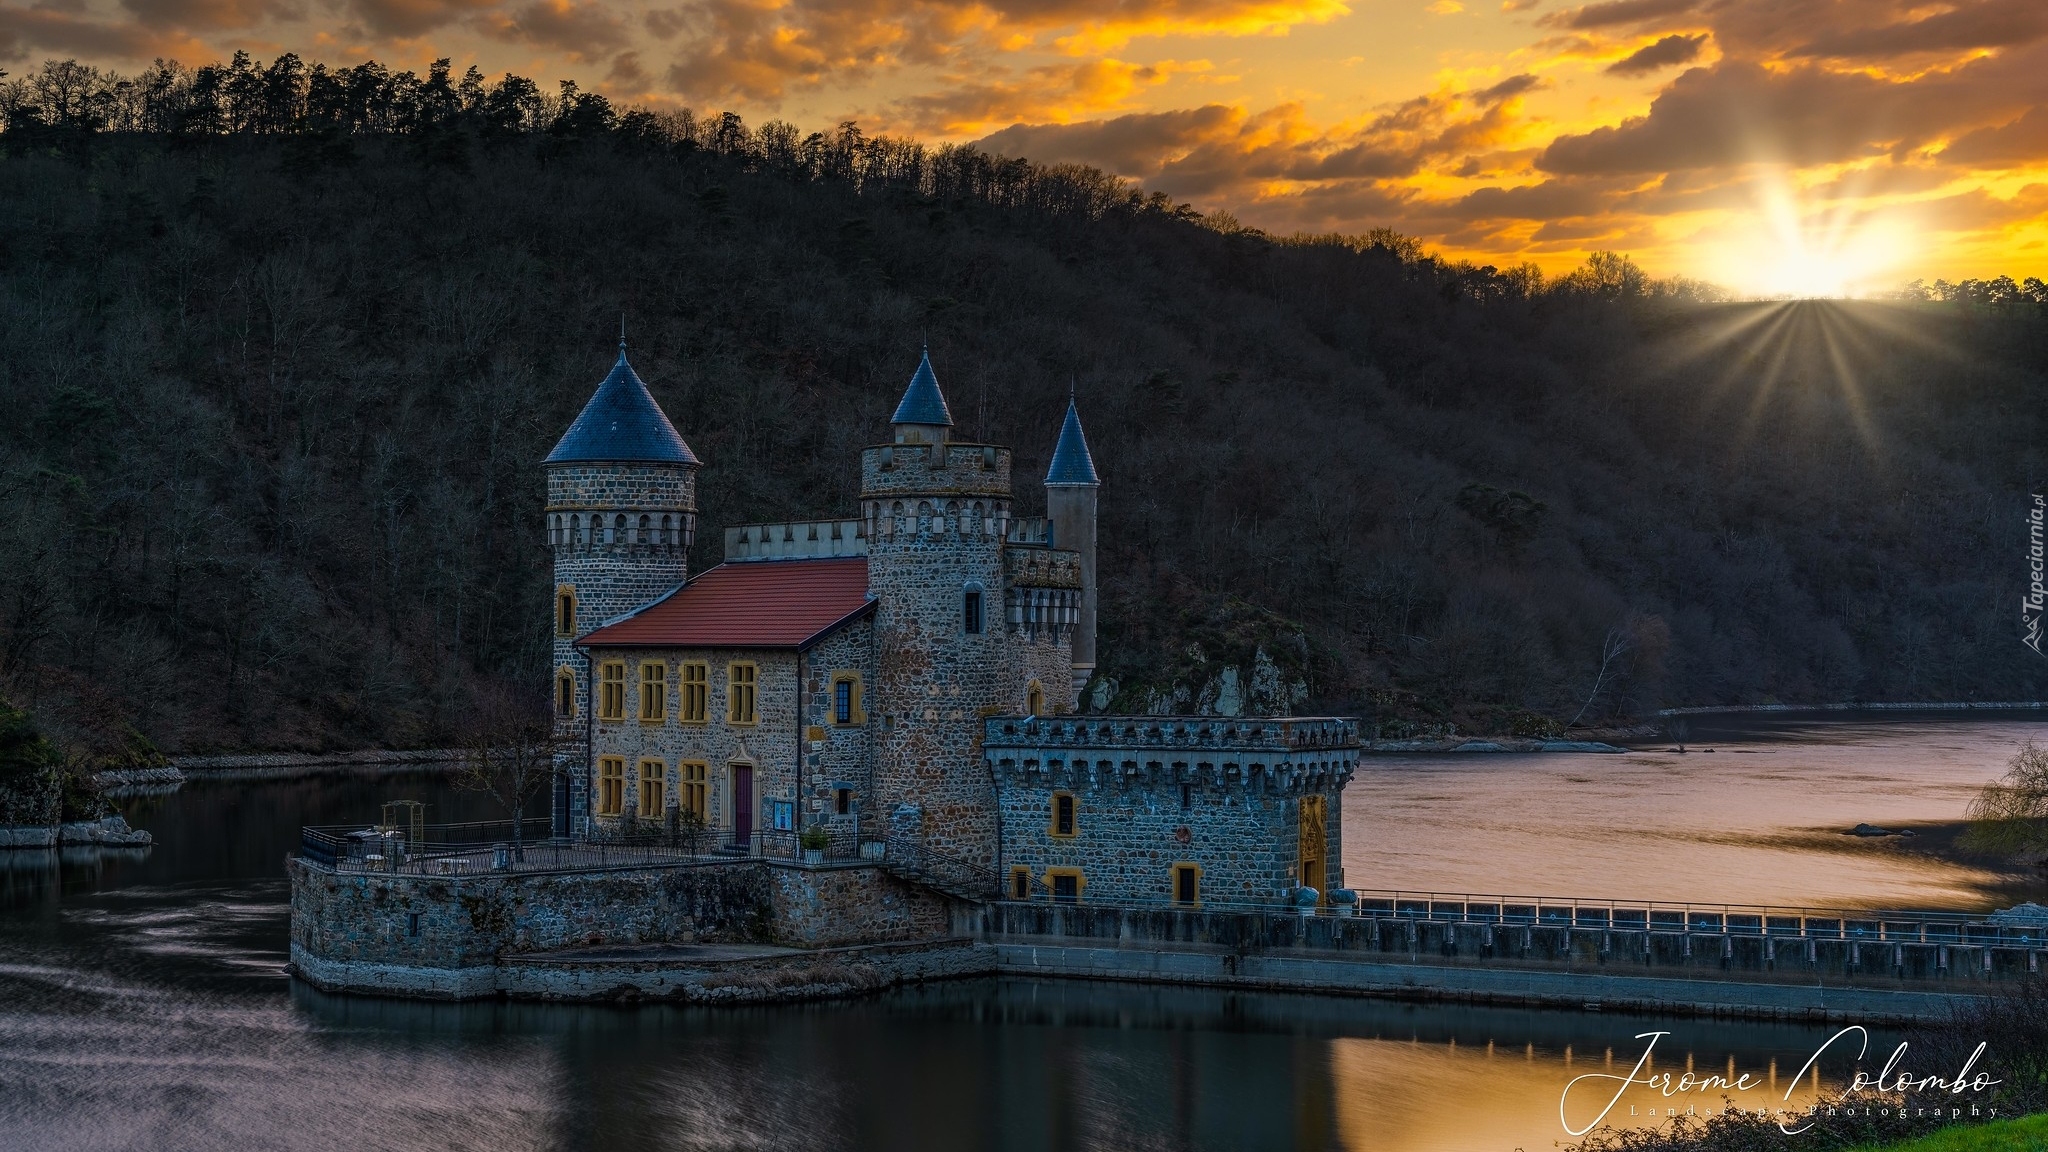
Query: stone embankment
x=753, y=930
x=112, y=832
x=281, y=765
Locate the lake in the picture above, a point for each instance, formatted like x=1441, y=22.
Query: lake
x=143, y=1003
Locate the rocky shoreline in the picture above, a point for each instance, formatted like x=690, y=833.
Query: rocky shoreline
x=108, y=832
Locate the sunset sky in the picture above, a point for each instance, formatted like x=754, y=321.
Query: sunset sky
x=1801, y=146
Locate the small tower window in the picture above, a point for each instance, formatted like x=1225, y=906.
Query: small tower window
x=1020, y=883
x=619, y=529
x=645, y=523
x=1063, y=823
x=1034, y=699
x=846, y=704
x=1187, y=885
x=565, y=693
x=565, y=611
x=842, y=801
x=970, y=611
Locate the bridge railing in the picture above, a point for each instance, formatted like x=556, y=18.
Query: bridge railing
x=1922, y=926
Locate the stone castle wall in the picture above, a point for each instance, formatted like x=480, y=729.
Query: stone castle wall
x=937, y=516
x=836, y=755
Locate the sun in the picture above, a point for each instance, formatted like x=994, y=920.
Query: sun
x=1786, y=247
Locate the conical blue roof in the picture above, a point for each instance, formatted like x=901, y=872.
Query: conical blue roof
x=1071, y=461
x=622, y=422
x=922, y=402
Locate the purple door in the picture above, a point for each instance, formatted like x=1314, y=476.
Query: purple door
x=742, y=803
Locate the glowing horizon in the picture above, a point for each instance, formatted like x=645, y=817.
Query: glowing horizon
x=1775, y=147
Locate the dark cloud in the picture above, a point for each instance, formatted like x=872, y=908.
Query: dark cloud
x=1135, y=145
x=207, y=14
x=1664, y=53
x=1986, y=24
x=2023, y=141
x=582, y=29
x=407, y=19
x=28, y=31
x=1738, y=112
x=1510, y=87
x=1614, y=13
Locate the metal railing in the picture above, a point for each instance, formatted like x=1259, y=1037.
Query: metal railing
x=912, y=858
x=1627, y=915
x=457, y=849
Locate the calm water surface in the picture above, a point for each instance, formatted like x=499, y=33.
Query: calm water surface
x=143, y=1003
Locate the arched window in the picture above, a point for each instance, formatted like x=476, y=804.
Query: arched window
x=619, y=529
x=565, y=694
x=668, y=527
x=645, y=522
x=971, y=615
x=1034, y=699
x=565, y=611
x=575, y=530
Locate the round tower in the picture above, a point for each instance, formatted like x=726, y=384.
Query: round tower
x=1071, y=490
x=937, y=511
x=621, y=513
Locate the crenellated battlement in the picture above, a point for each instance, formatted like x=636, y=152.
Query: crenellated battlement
x=1268, y=734
x=935, y=470
x=1029, y=567
x=796, y=539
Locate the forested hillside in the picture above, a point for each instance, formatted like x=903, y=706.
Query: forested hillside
x=278, y=369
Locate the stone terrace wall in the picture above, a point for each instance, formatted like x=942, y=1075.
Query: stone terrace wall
x=474, y=921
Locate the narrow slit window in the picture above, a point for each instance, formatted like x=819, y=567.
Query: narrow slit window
x=1187, y=885
x=970, y=611
x=565, y=693
x=1020, y=883
x=1063, y=814
x=565, y=612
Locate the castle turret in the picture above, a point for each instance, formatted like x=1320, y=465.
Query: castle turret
x=922, y=416
x=1071, y=489
x=936, y=515
x=622, y=511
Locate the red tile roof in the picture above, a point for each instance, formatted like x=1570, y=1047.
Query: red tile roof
x=755, y=604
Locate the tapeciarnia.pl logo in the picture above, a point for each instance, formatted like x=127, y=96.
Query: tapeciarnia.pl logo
x=2032, y=604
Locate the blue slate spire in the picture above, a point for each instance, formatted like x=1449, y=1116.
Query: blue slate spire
x=622, y=423
x=1071, y=461
x=922, y=402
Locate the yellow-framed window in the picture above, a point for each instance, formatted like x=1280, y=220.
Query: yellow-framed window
x=1187, y=884
x=653, y=775
x=1034, y=699
x=846, y=701
x=565, y=611
x=695, y=697
x=565, y=693
x=742, y=688
x=694, y=788
x=1066, y=816
x=611, y=690
x=1066, y=884
x=653, y=691
x=611, y=785
x=1020, y=883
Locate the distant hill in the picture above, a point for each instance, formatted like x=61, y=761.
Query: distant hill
x=276, y=393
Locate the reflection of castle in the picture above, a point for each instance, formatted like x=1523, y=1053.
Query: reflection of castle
x=915, y=666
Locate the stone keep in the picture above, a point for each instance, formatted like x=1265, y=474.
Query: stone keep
x=621, y=514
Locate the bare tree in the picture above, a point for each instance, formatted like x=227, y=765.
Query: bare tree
x=1618, y=642
x=509, y=747
x=2010, y=816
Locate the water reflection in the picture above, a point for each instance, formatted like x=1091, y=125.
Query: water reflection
x=143, y=1002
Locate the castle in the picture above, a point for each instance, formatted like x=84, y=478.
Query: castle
x=907, y=676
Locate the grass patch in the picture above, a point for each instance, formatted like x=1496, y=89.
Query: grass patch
x=2026, y=1134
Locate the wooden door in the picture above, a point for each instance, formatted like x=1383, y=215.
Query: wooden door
x=742, y=803
x=1315, y=845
